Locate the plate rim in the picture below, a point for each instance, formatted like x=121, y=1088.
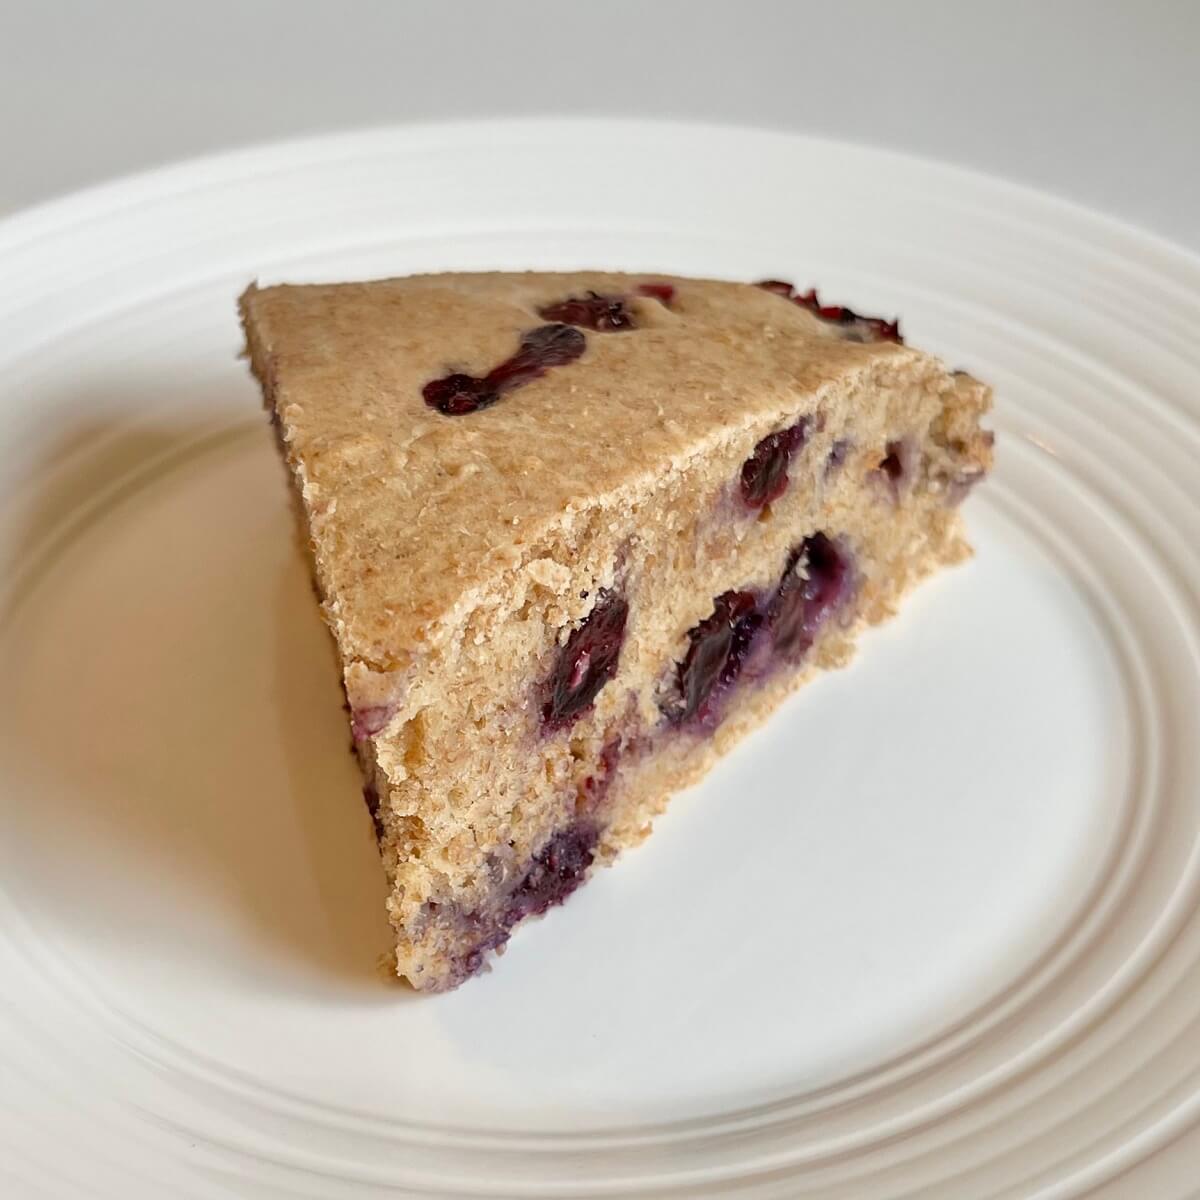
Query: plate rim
x=126, y=189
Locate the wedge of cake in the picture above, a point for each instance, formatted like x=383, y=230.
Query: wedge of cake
x=575, y=534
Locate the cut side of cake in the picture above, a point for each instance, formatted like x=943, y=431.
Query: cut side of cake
x=575, y=534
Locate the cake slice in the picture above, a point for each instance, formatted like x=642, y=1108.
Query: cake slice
x=575, y=534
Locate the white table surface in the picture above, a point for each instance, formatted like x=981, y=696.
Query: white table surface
x=1095, y=100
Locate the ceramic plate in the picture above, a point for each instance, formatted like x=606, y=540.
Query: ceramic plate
x=931, y=933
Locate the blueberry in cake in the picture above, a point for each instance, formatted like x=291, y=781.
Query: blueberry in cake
x=575, y=534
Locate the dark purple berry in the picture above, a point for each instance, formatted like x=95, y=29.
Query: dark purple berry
x=765, y=472
x=593, y=311
x=547, y=346
x=853, y=326
x=557, y=870
x=815, y=582
x=587, y=662
x=745, y=630
x=554, y=872
x=719, y=647
x=458, y=394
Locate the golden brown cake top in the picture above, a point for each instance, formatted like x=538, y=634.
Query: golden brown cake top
x=410, y=507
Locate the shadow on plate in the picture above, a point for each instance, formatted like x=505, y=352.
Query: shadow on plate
x=177, y=782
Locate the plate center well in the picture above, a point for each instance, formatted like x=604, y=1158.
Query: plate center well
x=901, y=841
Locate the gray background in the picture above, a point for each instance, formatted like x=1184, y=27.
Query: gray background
x=1098, y=101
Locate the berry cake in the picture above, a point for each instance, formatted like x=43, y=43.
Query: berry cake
x=575, y=534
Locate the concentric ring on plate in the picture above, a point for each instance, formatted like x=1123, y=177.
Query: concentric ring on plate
x=1142, y=590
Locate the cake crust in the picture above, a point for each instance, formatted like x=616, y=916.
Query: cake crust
x=386, y=478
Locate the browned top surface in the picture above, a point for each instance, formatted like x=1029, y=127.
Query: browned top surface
x=408, y=508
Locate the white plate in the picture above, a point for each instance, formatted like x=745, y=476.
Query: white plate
x=931, y=933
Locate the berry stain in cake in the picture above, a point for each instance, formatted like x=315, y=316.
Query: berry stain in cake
x=369, y=720
x=837, y=455
x=594, y=788
x=604, y=313
x=897, y=467
x=458, y=394
x=664, y=293
x=556, y=871
x=371, y=800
